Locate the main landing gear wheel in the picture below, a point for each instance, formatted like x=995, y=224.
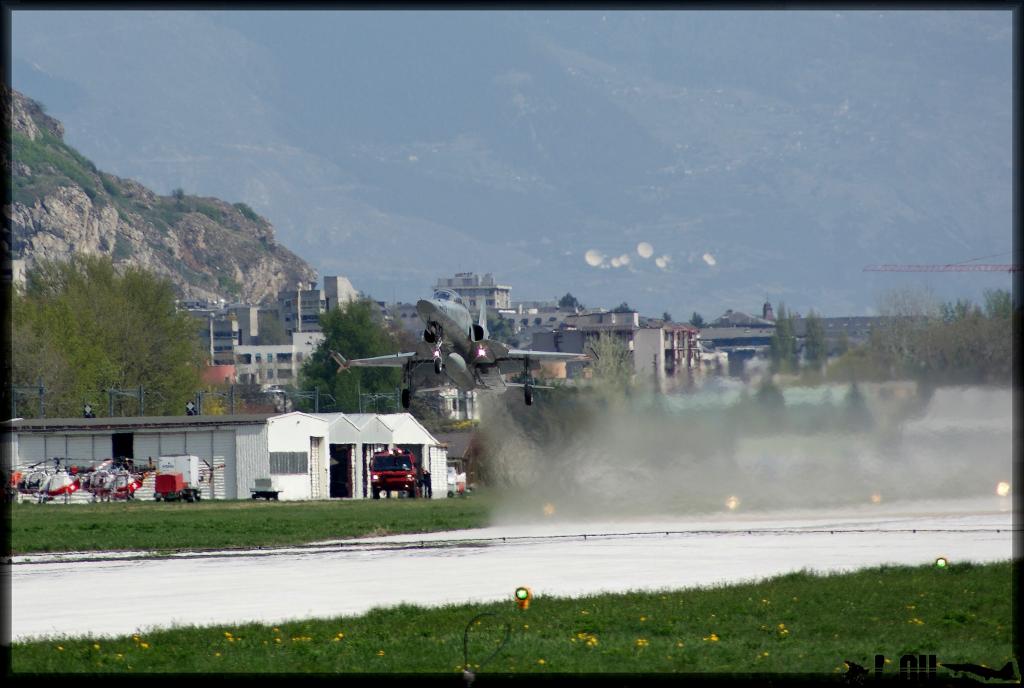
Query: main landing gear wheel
x=528, y=395
x=406, y=398
x=438, y=366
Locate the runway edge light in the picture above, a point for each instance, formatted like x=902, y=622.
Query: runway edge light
x=941, y=562
x=523, y=597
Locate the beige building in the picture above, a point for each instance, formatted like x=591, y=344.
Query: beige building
x=476, y=290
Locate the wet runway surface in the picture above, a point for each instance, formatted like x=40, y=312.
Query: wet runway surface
x=110, y=594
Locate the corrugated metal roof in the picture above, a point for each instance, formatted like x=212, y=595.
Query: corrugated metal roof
x=135, y=422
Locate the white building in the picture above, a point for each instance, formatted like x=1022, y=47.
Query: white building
x=275, y=363
x=354, y=437
x=305, y=456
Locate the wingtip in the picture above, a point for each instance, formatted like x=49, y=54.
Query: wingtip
x=340, y=360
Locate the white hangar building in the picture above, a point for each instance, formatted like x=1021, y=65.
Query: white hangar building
x=354, y=437
x=306, y=456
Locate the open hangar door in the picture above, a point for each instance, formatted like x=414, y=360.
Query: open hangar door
x=341, y=474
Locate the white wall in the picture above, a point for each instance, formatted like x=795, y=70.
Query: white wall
x=292, y=432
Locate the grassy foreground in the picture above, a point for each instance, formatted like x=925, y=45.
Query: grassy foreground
x=797, y=623
x=154, y=526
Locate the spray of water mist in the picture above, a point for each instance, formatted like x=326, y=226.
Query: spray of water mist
x=606, y=452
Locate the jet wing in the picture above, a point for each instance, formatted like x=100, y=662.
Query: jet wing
x=511, y=360
x=520, y=354
x=391, y=360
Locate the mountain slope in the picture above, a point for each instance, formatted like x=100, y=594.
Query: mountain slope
x=63, y=205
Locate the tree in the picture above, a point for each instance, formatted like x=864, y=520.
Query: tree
x=500, y=329
x=569, y=303
x=783, y=344
x=271, y=331
x=354, y=332
x=696, y=320
x=815, y=350
x=83, y=327
x=998, y=304
x=623, y=308
x=666, y=316
x=611, y=364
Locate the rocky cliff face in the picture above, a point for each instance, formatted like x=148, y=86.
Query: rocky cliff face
x=63, y=205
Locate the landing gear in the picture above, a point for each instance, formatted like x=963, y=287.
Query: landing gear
x=438, y=365
x=527, y=389
x=406, y=397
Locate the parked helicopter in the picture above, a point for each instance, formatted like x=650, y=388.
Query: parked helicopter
x=47, y=483
x=113, y=479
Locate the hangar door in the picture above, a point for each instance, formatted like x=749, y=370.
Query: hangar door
x=216, y=447
x=81, y=449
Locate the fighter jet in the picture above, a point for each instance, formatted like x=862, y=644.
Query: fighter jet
x=457, y=350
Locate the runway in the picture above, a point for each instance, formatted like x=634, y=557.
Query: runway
x=113, y=594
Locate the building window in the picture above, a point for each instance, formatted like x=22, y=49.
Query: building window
x=289, y=463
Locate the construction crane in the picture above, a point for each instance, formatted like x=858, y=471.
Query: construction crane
x=952, y=267
x=965, y=266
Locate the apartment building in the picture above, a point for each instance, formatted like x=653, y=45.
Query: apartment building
x=476, y=290
x=275, y=364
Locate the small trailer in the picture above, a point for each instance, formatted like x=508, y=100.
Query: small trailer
x=264, y=490
x=177, y=478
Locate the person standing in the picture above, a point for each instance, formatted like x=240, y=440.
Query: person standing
x=427, y=489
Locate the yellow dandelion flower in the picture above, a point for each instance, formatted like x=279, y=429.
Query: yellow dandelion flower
x=216, y=654
x=541, y=661
x=335, y=640
x=782, y=625
x=277, y=640
x=526, y=626
x=95, y=646
x=641, y=642
x=275, y=629
x=584, y=612
x=679, y=644
x=888, y=661
x=643, y=618
x=60, y=648
x=916, y=621
x=226, y=634
x=144, y=646
x=120, y=656
x=380, y=653
x=135, y=638
x=765, y=653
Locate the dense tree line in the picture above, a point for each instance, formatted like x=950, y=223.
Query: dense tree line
x=81, y=327
x=356, y=330
x=937, y=343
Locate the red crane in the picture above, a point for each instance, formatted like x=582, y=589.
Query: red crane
x=952, y=267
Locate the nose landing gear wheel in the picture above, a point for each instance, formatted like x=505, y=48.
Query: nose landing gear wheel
x=406, y=398
x=528, y=395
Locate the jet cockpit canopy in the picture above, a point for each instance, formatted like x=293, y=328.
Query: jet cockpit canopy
x=447, y=295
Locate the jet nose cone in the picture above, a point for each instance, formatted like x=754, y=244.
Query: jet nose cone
x=424, y=308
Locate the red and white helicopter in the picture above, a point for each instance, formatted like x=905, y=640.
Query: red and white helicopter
x=47, y=483
x=113, y=479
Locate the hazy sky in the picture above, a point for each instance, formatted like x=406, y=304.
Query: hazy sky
x=675, y=160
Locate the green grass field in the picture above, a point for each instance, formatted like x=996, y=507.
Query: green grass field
x=798, y=623
x=153, y=526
